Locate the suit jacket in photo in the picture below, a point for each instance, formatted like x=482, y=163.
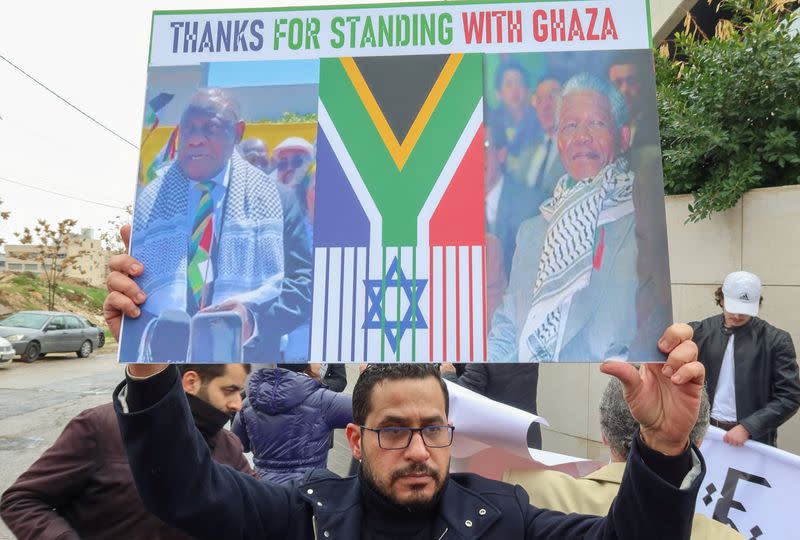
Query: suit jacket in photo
x=516, y=204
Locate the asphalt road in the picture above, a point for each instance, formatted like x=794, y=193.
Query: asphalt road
x=37, y=400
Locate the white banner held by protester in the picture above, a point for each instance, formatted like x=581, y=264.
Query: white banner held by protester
x=752, y=488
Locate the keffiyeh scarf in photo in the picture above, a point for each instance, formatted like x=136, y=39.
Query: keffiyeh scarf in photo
x=574, y=213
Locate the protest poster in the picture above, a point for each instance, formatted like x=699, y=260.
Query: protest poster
x=416, y=182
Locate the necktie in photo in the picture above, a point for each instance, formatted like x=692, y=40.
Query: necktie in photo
x=199, y=271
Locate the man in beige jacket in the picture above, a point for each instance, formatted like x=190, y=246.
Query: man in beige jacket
x=594, y=493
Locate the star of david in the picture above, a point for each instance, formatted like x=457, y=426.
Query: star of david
x=394, y=279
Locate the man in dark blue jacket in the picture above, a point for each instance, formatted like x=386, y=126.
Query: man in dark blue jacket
x=402, y=437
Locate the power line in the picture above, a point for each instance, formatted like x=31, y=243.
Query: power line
x=37, y=188
x=31, y=77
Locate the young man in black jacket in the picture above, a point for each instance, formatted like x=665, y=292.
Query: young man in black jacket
x=752, y=370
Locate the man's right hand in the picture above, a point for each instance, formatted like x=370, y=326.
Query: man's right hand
x=124, y=298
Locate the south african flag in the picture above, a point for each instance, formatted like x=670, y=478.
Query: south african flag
x=399, y=227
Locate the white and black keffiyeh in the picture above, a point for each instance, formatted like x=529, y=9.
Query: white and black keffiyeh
x=574, y=214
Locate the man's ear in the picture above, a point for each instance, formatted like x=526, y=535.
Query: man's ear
x=238, y=131
x=191, y=382
x=353, y=433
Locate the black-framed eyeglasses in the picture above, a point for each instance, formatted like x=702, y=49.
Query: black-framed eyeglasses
x=399, y=438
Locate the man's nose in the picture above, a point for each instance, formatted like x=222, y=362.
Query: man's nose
x=417, y=451
x=195, y=139
x=583, y=133
x=236, y=404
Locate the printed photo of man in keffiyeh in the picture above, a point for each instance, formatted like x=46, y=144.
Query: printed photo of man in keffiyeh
x=227, y=263
x=590, y=276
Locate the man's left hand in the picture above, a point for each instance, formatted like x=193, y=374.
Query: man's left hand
x=665, y=398
x=736, y=436
x=241, y=310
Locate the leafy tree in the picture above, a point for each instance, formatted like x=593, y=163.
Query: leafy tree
x=4, y=215
x=110, y=238
x=730, y=105
x=56, y=249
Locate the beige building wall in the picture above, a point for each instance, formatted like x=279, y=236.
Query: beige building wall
x=89, y=267
x=759, y=235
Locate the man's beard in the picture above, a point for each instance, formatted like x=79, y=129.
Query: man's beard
x=417, y=503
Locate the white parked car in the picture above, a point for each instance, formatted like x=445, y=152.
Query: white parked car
x=6, y=353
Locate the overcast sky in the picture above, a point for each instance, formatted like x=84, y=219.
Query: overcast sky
x=94, y=54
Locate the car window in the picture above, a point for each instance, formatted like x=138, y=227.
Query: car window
x=25, y=320
x=57, y=322
x=73, y=322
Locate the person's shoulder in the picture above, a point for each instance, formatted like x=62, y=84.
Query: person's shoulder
x=705, y=527
x=545, y=488
x=773, y=333
x=167, y=174
x=703, y=325
x=325, y=488
x=229, y=438
x=765, y=326
x=528, y=479
x=101, y=416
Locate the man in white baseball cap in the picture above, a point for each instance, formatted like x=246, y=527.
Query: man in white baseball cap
x=742, y=294
x=751, y=366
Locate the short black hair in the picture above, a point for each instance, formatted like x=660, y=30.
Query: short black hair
x=510, y=66
x=376, y=373
x=208, y=372
x=719, y=297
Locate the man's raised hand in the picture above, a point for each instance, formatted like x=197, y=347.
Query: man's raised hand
x=665, y=398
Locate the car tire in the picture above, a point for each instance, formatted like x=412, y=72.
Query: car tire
x=101, y=340
x=85, y=350
x=31, y=354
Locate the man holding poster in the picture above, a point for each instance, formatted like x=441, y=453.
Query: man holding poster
x=221, y=241
x=402, y=436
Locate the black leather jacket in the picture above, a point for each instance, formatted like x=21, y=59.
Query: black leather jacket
x=766, y=373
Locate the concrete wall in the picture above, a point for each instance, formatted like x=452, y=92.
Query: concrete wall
x=665, y=15
x=759, y=235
